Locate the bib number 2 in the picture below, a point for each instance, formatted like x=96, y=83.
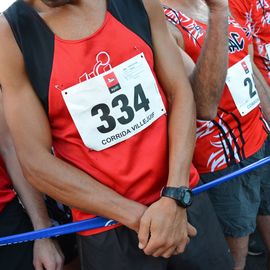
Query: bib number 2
x=242, y=87
x=248, y=83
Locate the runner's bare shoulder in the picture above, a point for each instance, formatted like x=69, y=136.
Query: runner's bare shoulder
x=11, y=60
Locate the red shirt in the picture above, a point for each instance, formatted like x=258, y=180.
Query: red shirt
x=254, y=16
x=230, y=137
x=136, y=168
x=6, y=190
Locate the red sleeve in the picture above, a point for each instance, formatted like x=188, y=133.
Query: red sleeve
x=241, y=11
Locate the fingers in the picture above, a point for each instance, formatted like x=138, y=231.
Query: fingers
x=59, y=263
x=56, y=264
x=171, y=250
x=181, y=248
x=49, y=265
x=165, y=254
x=159, y=247
x=38, y=265
x=163, y=245
x=156, y=246
x=47, y=255
x=191, y=230
x=144, y=232
x=60, y=258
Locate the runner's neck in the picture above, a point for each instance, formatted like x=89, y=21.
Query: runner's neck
x=68, y=22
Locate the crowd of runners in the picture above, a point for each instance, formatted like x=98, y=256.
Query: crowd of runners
x=119, y=108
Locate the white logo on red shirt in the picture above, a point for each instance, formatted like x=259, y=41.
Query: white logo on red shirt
x=102, y=65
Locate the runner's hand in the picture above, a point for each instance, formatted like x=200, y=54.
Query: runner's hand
x=47, y=255
x=164, y=230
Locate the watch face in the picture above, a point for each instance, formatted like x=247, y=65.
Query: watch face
x=187, y=197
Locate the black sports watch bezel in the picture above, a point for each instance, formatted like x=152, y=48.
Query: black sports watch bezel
x=182, y=195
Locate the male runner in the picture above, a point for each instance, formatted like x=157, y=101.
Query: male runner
x=255, y=19
x=236, y=135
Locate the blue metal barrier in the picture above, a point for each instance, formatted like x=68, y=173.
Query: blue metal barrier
x=100, y=222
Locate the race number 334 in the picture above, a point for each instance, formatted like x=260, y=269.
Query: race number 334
x=115, y=105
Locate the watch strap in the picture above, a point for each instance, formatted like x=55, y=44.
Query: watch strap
x=178, y=194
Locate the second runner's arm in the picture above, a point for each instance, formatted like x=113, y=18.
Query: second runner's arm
x=46, y=252
x=208, y=76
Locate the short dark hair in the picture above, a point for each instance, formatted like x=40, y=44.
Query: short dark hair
x=57, y=3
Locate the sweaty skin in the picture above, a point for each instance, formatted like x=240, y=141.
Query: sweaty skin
x=162, y=228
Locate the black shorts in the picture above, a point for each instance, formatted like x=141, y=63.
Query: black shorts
x=238, y=202
x=117, y=249
x=13, y=220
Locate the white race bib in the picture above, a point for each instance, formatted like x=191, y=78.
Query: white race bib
x=267, y=47
x=115, y=105
x=242, y=87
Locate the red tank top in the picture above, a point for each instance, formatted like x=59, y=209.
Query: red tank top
x=231, y=136
x=136, y=168
x=254, y=16
x=6, y=190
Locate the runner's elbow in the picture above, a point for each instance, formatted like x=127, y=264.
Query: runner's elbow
x=33, y=170
x=208, y=114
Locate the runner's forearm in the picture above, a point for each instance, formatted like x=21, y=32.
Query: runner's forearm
x=59, y=180
x=209, y=75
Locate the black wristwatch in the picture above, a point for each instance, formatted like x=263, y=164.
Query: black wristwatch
x=182, y=195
